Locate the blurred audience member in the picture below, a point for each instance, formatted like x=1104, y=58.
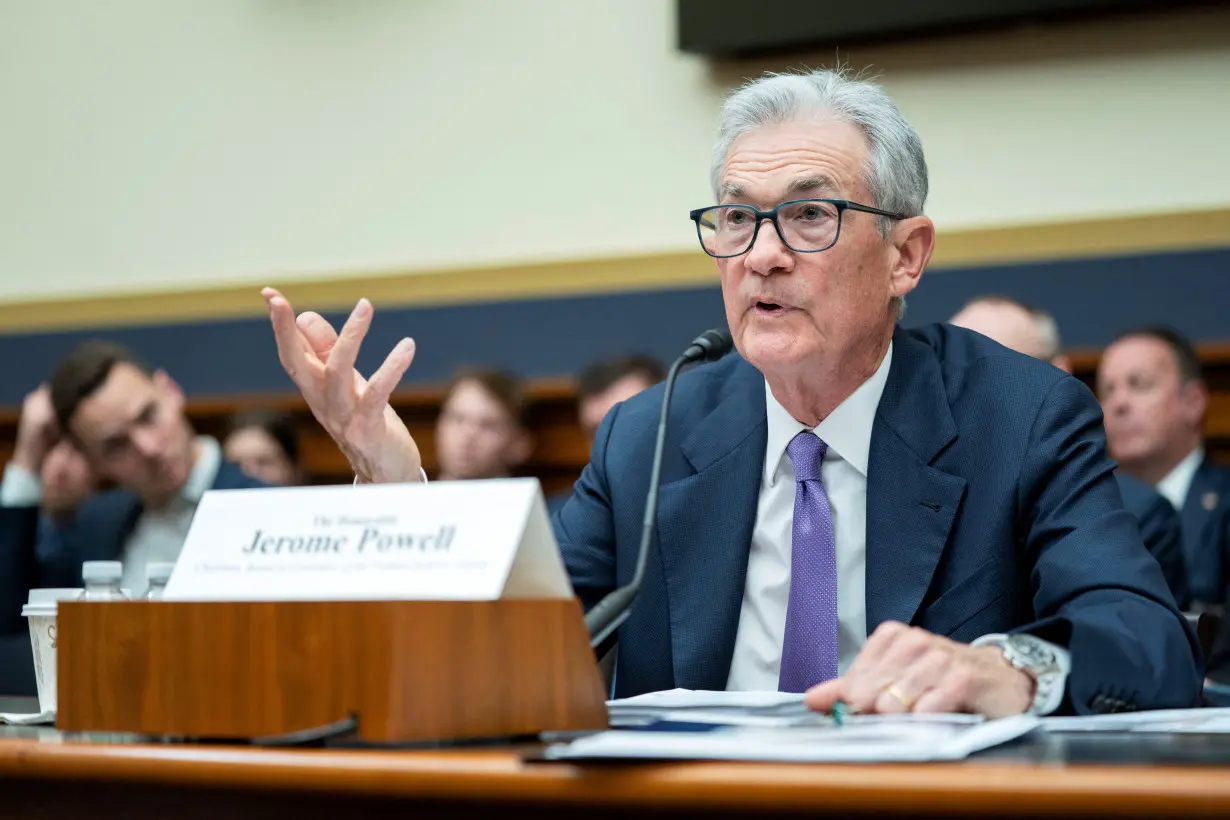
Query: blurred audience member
x=481, y=432
x=601, y=386
x=1034, y=332
x=1154, y=398
x=604, y=384
x=265, y=445
x=128, y=422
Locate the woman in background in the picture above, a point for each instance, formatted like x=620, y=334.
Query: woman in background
x=265, y=445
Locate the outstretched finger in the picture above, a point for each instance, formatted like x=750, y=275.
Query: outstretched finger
x=385, y=380
x=340, y=366
x=293, y=349
x=346, y=349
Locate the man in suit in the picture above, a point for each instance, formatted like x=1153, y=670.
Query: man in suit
x=128, y=423
x=1034, y=332
x=1154, y=397
x=903, y=520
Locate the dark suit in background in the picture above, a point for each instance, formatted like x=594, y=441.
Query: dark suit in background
x=34, y=556
x=991, y=507
x=1204, y=544
x=1218, y=526
x=1161, y=532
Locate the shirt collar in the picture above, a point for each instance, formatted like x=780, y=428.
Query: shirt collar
x=846, y=430
x=204, y=472
x=1178, y=482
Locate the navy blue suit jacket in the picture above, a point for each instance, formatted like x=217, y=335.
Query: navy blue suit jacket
x=34, y=556
x=991, y=507
x=1161, y=531
x=1219, y=654
x=1205, y=546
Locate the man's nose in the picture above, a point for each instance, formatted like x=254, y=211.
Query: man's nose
x=768, y=252
x=146, y=443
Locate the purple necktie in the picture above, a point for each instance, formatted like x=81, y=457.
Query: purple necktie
x=809, y=650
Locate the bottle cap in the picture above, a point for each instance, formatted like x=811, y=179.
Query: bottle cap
x=102, y=572
x=159, y=572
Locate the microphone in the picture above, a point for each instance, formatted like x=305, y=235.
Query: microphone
x=605, y=617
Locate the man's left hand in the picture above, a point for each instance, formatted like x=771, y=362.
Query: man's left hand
x=906, y=669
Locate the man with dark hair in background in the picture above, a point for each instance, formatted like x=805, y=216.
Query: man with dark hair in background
x=1154, y=398
x=128, y=423
x=1035, y=333
x=602, y=385
x=482, y=432
x=606, y=383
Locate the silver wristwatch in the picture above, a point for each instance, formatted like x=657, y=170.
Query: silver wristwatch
x=1041, y=660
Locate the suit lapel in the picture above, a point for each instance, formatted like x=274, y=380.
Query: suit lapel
x=911, y=504
x=705, y=523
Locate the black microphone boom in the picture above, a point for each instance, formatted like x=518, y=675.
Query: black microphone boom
x=606, y=616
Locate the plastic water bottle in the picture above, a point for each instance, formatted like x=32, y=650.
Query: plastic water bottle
x=102, y=581
x=157, y=573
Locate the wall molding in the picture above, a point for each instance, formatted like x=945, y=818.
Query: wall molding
x=1039, y=242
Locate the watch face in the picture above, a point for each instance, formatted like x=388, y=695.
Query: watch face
x=1031, y=652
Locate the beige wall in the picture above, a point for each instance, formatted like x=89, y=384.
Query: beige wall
x=173, y=144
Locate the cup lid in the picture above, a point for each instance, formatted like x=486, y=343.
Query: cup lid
x=52, y=594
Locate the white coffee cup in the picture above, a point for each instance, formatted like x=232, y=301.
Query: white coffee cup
x=41, y=614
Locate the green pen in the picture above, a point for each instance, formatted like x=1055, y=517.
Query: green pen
x=839, y=713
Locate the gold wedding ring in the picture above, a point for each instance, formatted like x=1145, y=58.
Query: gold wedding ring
x=906, y=703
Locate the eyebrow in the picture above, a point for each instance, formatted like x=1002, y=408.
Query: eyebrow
x=812, y=184
x=805, y=185
x=121, y=436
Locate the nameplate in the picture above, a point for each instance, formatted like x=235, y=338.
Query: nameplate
x=447, y=540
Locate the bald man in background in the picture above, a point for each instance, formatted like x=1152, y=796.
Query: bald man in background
x=1034, y=332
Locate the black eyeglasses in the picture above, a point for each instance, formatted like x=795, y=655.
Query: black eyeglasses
x=804, y=225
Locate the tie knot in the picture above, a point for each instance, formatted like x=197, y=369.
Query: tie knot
x=806, y=452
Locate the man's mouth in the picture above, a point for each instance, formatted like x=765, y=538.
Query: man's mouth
x=766, y=308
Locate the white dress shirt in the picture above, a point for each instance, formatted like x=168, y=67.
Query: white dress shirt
x=1178, y=482
x=762, y=619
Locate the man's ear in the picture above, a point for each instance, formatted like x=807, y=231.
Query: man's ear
x=913, y=242
x=1194, y=401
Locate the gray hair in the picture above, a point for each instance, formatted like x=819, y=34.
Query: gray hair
x=1048, y=333
x=897, y=170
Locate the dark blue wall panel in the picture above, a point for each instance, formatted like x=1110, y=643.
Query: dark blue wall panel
x=1092, y=299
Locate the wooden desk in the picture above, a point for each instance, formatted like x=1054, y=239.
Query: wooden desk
x=54, y=779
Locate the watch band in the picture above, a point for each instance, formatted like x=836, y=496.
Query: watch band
x=1045, y=662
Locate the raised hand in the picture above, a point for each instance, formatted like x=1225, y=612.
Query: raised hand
x=37, y=431
x=353, y=410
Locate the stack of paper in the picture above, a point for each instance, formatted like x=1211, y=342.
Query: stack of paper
x=776, y=726
x=699, y=706
x=1187, y=721
x=881, y=740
